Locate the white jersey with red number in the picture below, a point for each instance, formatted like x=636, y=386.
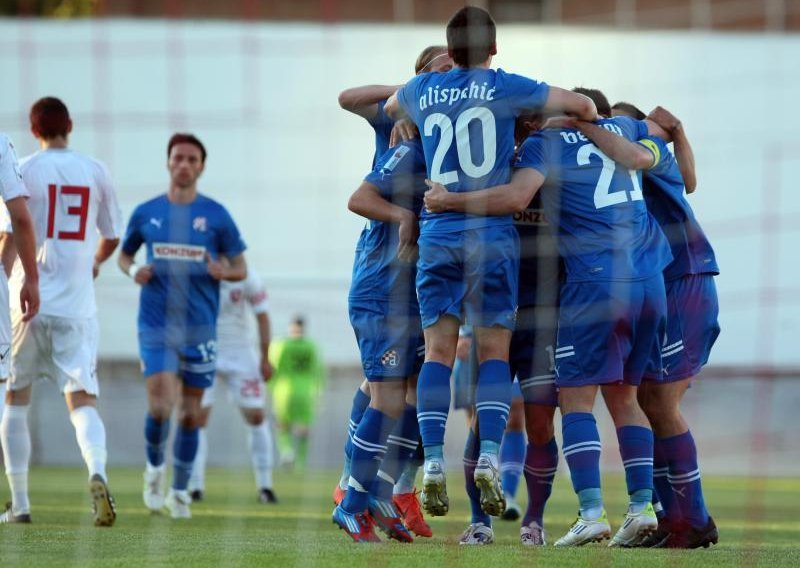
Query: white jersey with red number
x=72, y=203
x=238, y=301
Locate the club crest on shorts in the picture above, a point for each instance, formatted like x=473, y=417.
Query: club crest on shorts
x=199, y=224
x=390, y=358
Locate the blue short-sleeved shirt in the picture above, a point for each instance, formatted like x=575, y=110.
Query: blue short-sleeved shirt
x=664, y=195
x=466, y=120
x=181, y=296
x=382, y=125
x=399, y=176
x=604, y=229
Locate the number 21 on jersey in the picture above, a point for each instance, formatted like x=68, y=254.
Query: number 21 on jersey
x=603, y=195
x=77, y=207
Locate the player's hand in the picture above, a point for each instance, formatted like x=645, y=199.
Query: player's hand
x=143, y=275
x=29, y=300
x=95, y=270
x=664, y=118
x=266, y=369
x=216, y=269
x=403, y=130
x=560, y=122
x=435, y=198
x=408, y=233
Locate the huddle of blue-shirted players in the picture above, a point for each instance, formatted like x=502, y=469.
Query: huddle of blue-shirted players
x=581, y=267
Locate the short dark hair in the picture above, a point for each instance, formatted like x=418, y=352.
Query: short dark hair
x=427, y=56
x=299, y=320
x=471, y=36
x=185, y=138
x=597, y=96
x=50, y=118
x=630, y=110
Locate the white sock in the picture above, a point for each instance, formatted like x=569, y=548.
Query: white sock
x=198, y=480
x=16, y=440
x=261, y=450
x=91, y=435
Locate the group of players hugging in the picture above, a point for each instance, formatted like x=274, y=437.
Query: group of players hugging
x=557, y=227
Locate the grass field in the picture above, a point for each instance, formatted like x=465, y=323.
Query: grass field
x=759, y=522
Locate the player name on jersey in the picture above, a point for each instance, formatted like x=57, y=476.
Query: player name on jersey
x=436, y=96
x=169, y=251
x=575, y=137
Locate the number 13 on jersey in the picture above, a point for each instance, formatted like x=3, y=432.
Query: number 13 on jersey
x=77, y=206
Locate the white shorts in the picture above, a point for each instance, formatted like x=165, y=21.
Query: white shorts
x=5, y=328
x=61, y=349
x=241, y=373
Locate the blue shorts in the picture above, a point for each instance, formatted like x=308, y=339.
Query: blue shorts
x=610, y=331
x=194, y=362
x=531, y=354
x=389, y=338
x=692, y=327
x=469, y=275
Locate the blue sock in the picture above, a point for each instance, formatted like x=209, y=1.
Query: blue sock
x=541, y=464
x=582, y=452
x=155, y=435
x=684, y=475
x=471, y=451
x=360, y=404
x=433, y=403
x=369, y=448
x=512, y=460
x=663, y=499
x=493, y=399
x=636, y=449
x=184, y=450
x=400, y=448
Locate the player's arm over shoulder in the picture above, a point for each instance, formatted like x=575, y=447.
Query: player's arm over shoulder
x=562, y=101
x=398, y=105
x=632, y=155
x=364, y=101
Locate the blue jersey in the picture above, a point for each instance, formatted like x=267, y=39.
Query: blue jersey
x=466, y=118
x=181, y=297
x=539, y=261
x=663, y=193
x=604, y=229
x=399, y=176
x=382, y=125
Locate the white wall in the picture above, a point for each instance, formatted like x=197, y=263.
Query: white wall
x=284, y=158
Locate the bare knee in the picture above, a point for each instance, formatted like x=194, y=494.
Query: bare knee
x=577, y=399
x=253, y=416
x=539, y=423
x=389, y=397
x=20, y=397
x=493, y=343
x=622, y=404
x=190, y=412
x=78, y=399
x=440, y=341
